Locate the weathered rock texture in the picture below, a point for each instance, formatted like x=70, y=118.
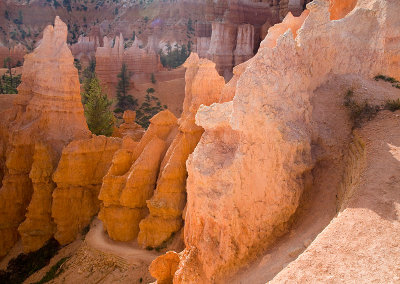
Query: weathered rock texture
x=132, y=176
x=361, y=243
x=248, y=172
x=79, y=176
x=49, y=113
x=203, y=87
x=38, y=226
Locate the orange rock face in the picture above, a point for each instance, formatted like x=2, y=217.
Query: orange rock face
x=79, y=175
x=164, y=267
x=131, y=179
x=49, y=113
x=340, y=8
x=38, y=226
x=203, y=86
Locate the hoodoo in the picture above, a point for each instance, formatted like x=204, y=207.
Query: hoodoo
x=48, y=114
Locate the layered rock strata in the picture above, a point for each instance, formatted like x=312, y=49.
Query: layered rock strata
x=79, y=176
x=254, y=160
x=49, y=112
x=203, y=87
x=132, y=176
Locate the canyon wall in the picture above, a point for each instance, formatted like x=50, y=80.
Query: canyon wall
x=16, y=54
x=49, y=114
x=254, y=160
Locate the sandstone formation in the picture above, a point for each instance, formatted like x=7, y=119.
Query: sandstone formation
x=38, y=226
x=248, y=172
x=84, y=50
x=132, y=176
x=79, y=176
x=109, y=60
x=203, y=87
x=49, y=114
x=16, y=54
x=129, y=127
x=164, y=267
x=244, y=44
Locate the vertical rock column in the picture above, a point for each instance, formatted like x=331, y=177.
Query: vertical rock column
x=203, y=86
x=132, y=177
x=48, y=112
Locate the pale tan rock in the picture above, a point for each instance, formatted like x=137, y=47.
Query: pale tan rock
x=247, y=173
x=244, y=44
x=203, y=87
x=222, y=45
x=79, y=176
x=48, y=111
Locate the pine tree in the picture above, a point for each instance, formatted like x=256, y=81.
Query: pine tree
x=125, y=101
x=97, y=109
x=149, y=108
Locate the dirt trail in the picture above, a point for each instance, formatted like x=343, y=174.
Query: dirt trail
x=331, y=138
x=130, y=251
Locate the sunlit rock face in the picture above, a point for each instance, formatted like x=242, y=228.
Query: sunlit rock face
x=203, y=87
x=79, y=176
x=48, y=114
x=248, y=172
x=132, y=176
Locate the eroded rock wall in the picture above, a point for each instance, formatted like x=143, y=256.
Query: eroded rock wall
x=203, y=87
x=49, y=112
x=79, y=176
x=132, y=176
x=254, y=160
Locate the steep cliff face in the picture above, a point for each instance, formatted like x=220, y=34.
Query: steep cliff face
x=50, y=113
x=203, y=87
x=250, y=167
x=79, y=176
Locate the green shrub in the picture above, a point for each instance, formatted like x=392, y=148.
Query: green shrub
x=359, y=113
x=392, y=105
x=53, y=272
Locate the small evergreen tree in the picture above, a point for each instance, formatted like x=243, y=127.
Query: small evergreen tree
x=153, y=78
x=124, y=100
x=97, y=109
x=149, y=108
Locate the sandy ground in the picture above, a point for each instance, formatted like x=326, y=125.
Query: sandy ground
x=362, y=244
